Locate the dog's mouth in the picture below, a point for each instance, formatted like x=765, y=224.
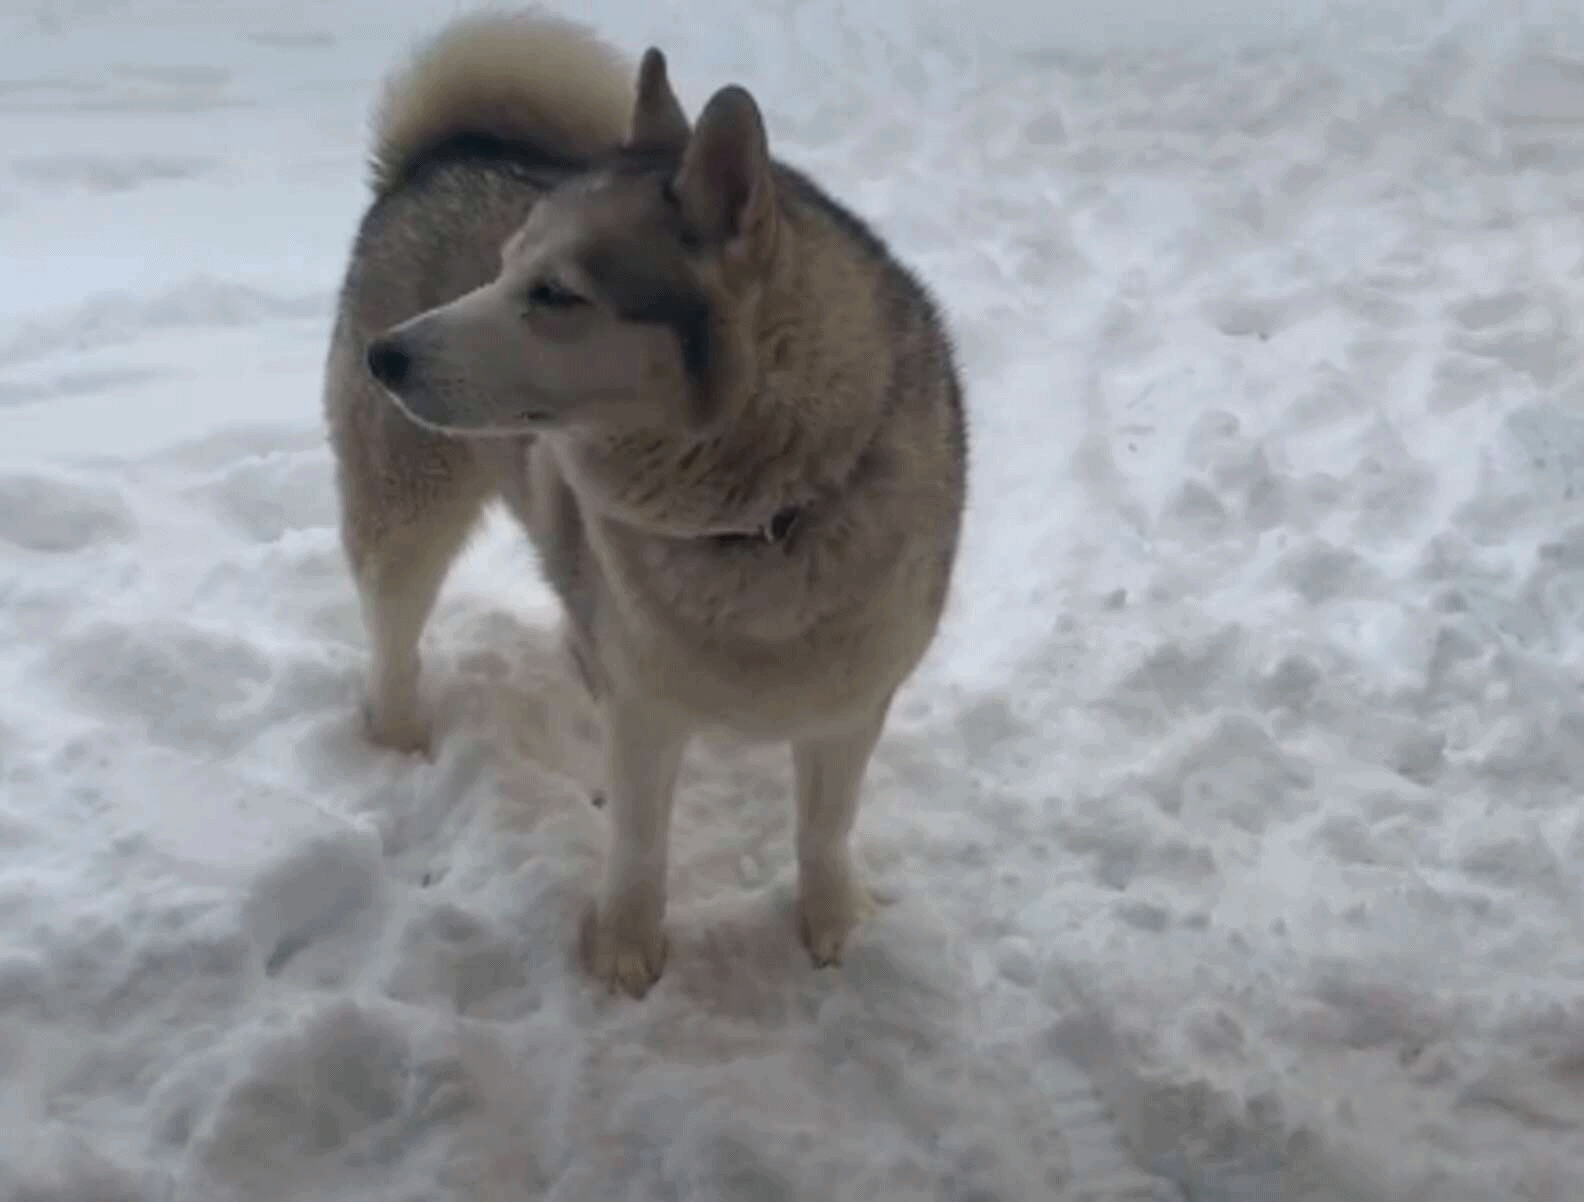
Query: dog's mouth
x=528, y=421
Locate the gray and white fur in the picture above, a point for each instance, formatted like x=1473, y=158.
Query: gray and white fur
x=728, y=418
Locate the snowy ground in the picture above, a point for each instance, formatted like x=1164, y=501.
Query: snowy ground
x=1241, y=793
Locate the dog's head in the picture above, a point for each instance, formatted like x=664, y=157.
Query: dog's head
x=624, y=299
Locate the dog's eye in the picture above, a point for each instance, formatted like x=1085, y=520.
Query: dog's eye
x=547, y=294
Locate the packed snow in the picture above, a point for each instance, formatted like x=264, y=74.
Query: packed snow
x=1229, y=842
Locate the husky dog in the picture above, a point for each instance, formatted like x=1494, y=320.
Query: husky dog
x=727, y=417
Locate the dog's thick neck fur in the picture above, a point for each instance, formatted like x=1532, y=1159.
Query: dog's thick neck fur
x=777, y=444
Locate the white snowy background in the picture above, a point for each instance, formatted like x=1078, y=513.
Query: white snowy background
x=1230, y=840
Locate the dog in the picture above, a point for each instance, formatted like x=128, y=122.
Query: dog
x=728, y=418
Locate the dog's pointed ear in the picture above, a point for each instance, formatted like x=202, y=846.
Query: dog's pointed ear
x=658, y=122
x=725, y=185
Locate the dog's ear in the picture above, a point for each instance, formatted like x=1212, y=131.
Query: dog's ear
x=658, y=122
x=725, y=185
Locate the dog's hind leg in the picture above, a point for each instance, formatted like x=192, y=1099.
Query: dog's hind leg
x=409, y=500
x=829, y=770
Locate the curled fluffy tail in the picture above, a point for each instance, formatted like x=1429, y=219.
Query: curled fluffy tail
x=518, y=76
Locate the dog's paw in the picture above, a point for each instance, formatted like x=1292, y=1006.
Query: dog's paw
x=407, y=731
x=831, y=903
x=625, y=949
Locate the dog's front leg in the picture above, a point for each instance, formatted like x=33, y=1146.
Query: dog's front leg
x=643, y=750
x=829, y=770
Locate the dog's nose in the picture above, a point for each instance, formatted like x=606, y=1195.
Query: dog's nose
x=388, y=362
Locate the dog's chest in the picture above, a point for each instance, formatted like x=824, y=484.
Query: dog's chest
x=724, y=632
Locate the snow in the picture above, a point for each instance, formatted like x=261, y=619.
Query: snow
x=1229, y=840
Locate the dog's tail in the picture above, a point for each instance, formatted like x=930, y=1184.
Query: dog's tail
x=515, y=76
